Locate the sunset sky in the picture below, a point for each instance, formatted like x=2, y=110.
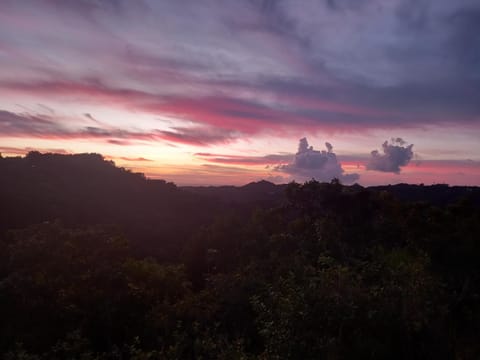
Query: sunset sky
x=228, y=92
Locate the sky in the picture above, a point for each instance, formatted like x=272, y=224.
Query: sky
x=228, y=92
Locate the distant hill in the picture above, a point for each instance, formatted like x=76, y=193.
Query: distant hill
x=268, y=193
x=261, y=191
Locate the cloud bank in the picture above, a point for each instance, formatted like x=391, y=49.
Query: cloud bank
x=395, y=155
x=250, y=66
x=320, y=165
x=26, y=125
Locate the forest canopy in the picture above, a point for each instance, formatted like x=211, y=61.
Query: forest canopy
x=97, y=262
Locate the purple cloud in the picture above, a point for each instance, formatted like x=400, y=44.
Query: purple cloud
x=269, y=58
x=320, y=165
x=49, y=127
x=395, y=155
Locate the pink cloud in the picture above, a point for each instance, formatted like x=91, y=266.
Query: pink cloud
x=229, y=113
x=134, y=159
x=50, y=127
x=272, y=159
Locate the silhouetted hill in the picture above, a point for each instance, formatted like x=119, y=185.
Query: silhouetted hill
x=86, y=189
x=156, y=215
x=266, y=192
x=261, y=191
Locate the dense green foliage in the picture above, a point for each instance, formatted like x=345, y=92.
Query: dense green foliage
x=333, y=272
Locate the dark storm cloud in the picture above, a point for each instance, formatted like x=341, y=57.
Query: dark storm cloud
x=465, y=41
x=274, y=20
x=410, y=103
x=413, y=14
